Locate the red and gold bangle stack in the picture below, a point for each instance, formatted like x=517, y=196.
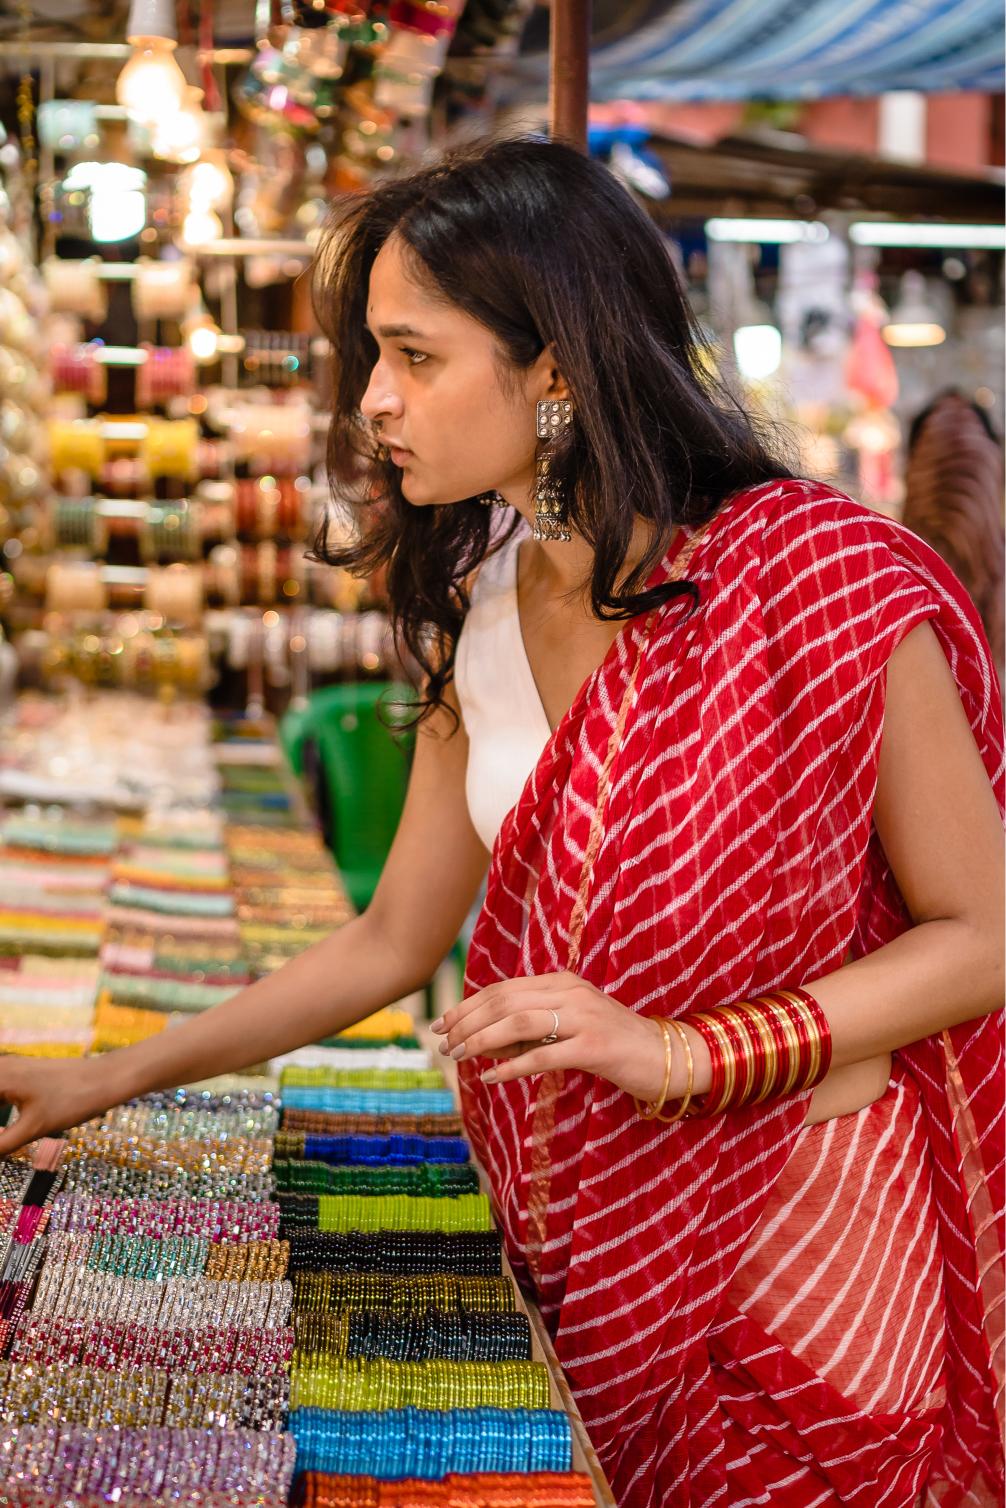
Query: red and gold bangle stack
x=765, y=1048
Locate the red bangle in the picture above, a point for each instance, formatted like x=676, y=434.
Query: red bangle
x=808, y=1056
x=820, y=1028
x=762, y=1027
x=709, y=1103
x=798, y=1021
x=754, y=1049
x=745, y=1055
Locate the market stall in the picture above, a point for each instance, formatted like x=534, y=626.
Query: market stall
x=288, y=1286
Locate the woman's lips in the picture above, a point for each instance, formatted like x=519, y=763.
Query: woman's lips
x=398, y=456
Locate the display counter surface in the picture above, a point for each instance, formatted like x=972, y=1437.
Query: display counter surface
x=199, y=1224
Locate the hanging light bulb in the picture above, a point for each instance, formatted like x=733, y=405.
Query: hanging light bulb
x=757, y=340
x=151, y=87
x=758, y=351
x=200, y=226
x=913, y=322
x=208, y=182
x=203, y=340
x=180, y=135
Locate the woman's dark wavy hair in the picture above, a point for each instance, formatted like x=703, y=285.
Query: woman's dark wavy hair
x=542, y=246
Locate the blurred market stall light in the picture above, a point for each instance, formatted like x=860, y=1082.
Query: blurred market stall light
x=181, y=136
x=922, y=234
x=766, y=232
x=117, y=206
x=757, y=350
x=913, y=321
x=152, y=87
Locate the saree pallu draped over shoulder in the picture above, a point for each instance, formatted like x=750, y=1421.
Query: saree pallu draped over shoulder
x=730, y=753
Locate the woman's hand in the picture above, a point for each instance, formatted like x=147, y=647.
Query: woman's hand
x=507, y=1021
x=50, y=1096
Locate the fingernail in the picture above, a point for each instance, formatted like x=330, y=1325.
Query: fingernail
x=444, y=1049
x=490, y=1076
x=438, y=1025
x=459, y=1051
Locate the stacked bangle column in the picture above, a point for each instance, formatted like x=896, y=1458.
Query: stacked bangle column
x=412, y=1378
x=158, y=1334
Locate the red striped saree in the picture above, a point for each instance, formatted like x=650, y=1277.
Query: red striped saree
x=732, y=849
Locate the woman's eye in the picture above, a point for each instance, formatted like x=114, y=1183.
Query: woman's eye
x=413, y=357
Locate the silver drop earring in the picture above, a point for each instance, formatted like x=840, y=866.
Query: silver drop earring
x=555, y=416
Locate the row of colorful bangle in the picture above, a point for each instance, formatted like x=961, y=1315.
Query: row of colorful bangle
x=329, y=1124
x=50, y=1340
x=142, y=1397
x=377, y=1151
x=60, y=1461
x=223, y=1219
x=475, y=1490
x=399, y=1252
x=429, y=1442
x=159, y=1257
x=760, y=1049
x=92, y=1175
x=428, y=1180
x=353, y=1383
x=75, y=1291
x=415, y=1336
x=322, y=1291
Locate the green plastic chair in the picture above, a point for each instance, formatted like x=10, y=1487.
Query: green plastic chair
x=294, y=733
x=362, y=771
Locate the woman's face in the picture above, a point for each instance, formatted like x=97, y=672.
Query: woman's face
x=435, y=393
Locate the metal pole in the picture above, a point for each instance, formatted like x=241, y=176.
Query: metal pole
x=569, y=71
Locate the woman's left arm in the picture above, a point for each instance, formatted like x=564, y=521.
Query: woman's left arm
x=940, y=827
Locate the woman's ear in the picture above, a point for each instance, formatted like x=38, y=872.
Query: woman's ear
x=547, y=380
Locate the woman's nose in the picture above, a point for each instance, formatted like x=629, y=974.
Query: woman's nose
x=380, y=401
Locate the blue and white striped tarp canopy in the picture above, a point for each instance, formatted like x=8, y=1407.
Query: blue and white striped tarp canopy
x=804, y=49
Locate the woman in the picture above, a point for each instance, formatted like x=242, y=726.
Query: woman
x=734, y=734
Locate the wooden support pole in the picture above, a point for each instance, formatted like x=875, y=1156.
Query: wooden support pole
x=569, y=71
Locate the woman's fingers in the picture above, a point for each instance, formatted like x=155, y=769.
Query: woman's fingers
x=523, y=1027
x=519, y=1018
x=24, y=1128
x=501, y=998
x=539, y=1059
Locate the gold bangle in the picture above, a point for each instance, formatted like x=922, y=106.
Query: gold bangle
x=650, y=1112
x=729, y=1061
x=682, y=1109
x=751, y=1013
x=813, y=1036
x=792, y=1043
x=742, y=1026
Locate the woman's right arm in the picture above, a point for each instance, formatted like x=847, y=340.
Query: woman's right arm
x=426, y=889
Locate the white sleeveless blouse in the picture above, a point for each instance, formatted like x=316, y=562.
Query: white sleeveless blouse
x=500, y=707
